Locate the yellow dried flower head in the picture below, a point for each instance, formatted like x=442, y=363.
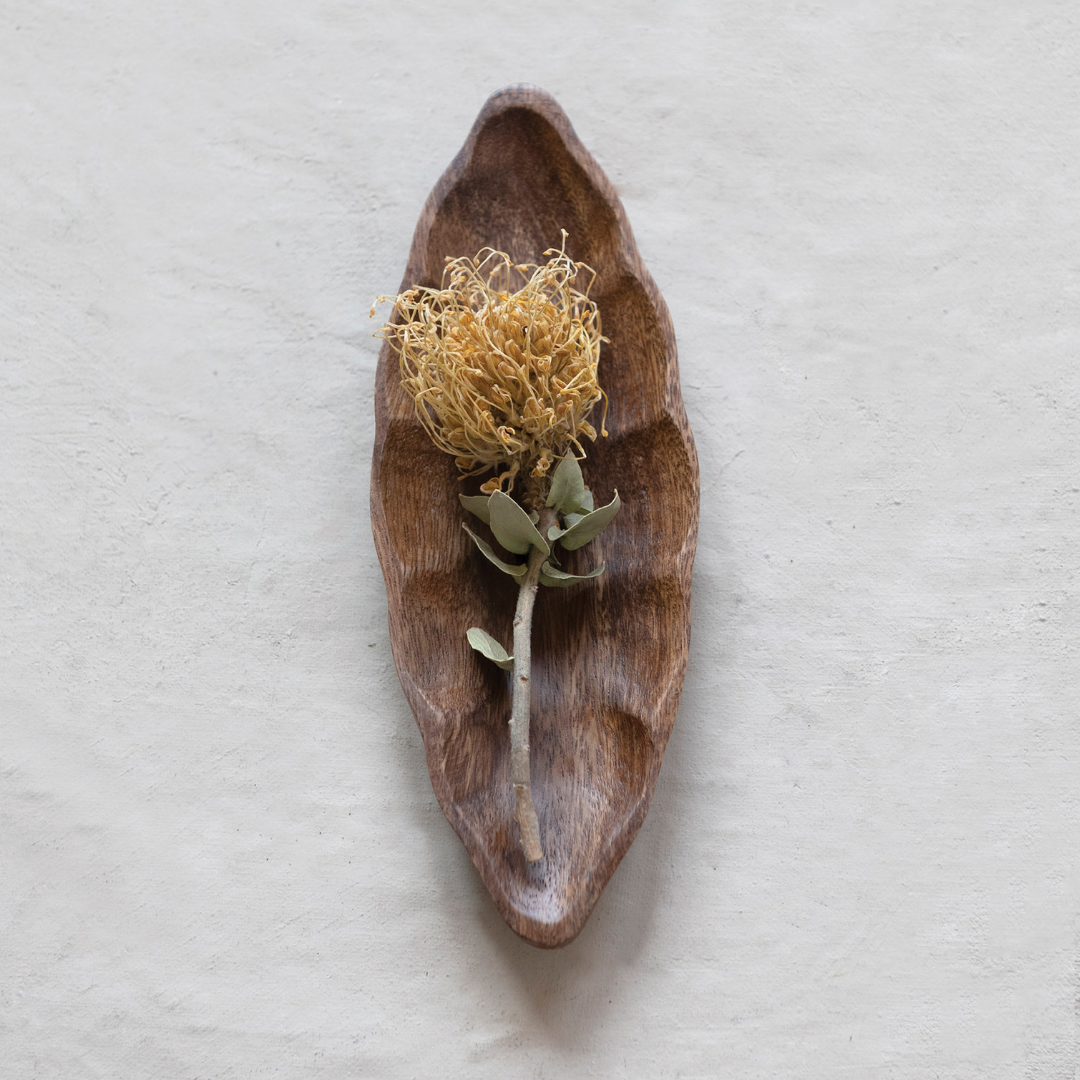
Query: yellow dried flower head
x=502, y=379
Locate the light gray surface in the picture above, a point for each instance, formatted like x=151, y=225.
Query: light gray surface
x=221, y=856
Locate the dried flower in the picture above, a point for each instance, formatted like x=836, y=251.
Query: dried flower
x=502, y=380
x=506, y=380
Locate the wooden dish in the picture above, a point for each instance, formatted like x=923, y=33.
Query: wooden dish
x=609, y=656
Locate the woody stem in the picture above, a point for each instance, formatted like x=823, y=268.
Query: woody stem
x=525, y=811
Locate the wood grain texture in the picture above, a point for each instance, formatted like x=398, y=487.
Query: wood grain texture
x=609, y=656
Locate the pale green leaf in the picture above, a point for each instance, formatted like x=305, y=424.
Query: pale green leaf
x=567, y=486
x=570, y=519
x=586, y=503
x=557, y=579
x=513, y=569
x=512, y=527
x=478, y=505
x=487, y=646
x=590, y=526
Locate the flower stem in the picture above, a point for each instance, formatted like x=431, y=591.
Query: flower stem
x=525, y=812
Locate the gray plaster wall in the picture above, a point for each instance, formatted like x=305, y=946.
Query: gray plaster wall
x=221, y=855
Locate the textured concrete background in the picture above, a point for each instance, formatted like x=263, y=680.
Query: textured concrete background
x=221, y=856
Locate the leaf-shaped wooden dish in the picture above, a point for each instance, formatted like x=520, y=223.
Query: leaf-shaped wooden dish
x=609, y=656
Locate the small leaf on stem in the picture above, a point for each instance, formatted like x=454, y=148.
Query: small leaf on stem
x=567, y=486
x=512, y=527
x=513, y=569
x=557, y=579
x=588, y=527
x=478, y=505
x=569, y=521
x=487, y=646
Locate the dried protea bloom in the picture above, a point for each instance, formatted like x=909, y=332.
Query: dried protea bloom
x=505, y=380
x=502, y=379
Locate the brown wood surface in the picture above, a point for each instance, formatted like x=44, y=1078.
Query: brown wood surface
x=609, y=655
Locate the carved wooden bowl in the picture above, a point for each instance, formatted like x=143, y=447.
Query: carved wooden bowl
x=609, y=655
